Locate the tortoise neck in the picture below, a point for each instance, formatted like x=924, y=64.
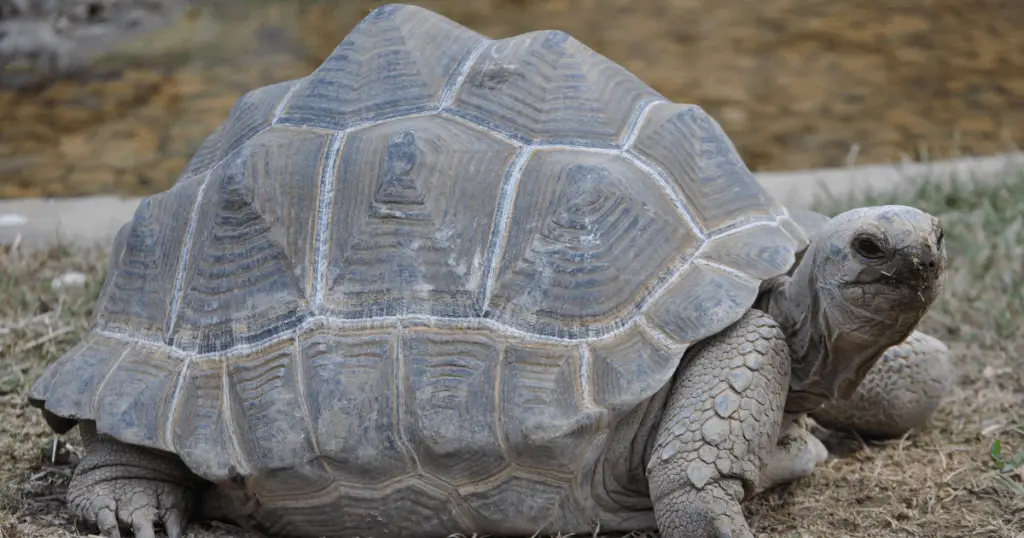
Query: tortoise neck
x=832, y=344
x=795, y=304
x=792, y=305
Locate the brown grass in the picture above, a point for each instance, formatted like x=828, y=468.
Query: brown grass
x=942, y=482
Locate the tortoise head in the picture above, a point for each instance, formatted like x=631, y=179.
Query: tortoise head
x=868, y=278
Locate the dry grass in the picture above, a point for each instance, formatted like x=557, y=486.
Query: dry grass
x=942, y=482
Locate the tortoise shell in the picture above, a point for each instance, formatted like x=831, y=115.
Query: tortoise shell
x=439, y=262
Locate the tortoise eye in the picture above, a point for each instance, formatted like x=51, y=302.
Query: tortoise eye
x=868, y=247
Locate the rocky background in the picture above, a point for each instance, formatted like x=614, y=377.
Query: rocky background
x=796, y=83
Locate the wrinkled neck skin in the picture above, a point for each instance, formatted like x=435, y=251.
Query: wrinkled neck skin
x=832, y=341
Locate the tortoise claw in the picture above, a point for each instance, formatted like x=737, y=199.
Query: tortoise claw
x=119, y=487
x=106, y=521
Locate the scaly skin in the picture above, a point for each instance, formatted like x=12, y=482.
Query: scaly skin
x=720, y=425
x=123, y=485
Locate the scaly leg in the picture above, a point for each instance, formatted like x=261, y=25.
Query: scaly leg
x=720, y=425
x=123, y=485
x=901, y=392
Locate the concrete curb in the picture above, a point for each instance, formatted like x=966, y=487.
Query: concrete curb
x=88, y=221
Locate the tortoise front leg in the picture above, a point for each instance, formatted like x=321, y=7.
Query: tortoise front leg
x=720, y=424
x=124, y=485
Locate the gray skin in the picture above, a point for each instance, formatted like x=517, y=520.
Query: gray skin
x=43, y=40
x=859, y=291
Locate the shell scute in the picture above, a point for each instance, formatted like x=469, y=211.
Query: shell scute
x=703, y=164
x=205, y=432
x=394, y=63
x=250, y=267
x=413, y=210
x=548, y=423
x=68, y=387
x=762, y=252
x=631, y=367
x=590, y=236
x=704, y=300
x=137, y=396
x=524, y=504
x=546, y=87
x=272, y=429
x=139, y=289
x=353, y=398
x=451, y=405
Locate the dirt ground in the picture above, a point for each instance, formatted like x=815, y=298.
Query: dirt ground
x=942, y=482
x=796, y=83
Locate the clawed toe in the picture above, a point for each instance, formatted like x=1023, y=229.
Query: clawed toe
x=173, y=523
x=127, y=490
x=105, y=520
x=797, y=454
x=128, y=505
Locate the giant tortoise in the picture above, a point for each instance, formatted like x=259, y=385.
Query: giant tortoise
x=447, y=284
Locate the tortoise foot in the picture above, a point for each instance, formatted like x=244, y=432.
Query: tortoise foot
x=119, y=486
x=796, y=455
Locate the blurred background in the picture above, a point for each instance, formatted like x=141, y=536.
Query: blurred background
x=797, y=84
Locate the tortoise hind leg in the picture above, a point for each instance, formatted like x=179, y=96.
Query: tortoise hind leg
x=119, y=485
x=900, y=393
x=720, y=424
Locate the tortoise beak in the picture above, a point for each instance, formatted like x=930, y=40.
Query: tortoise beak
x=920, y=266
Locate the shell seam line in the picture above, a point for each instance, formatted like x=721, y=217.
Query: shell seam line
x=279, y=109
x=230, y=426
x=103, y=383
x=325, y=201
x=636, y=124
x=183, y=258
x=586, y=391
x=297, y=359
x=179, y=387
x=502, y=221
x=400, y=400
x=453, y=86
